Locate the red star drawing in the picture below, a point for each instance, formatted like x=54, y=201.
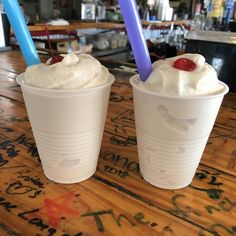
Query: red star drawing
x=56, y=209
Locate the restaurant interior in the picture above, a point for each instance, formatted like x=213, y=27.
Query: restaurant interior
x=134, y=149
x=170, y=28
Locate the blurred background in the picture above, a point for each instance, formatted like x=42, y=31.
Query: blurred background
x=170, y=27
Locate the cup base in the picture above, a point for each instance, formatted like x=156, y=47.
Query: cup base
x=162, y=181
x=163, y=186
x=75, y=176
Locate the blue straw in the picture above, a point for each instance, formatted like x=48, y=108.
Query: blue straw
x=21, y=31
x=136, y=37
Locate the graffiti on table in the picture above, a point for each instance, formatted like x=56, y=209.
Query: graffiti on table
x=25, y=176
x=211, y=179
x=114, y=171
x=10, y=147
x=180, y=208
x=118, y=165
x=132, y=220
x=225, y=205
x=8, y=231
x=30, y=217
x=17, y=188
x=217, y=229
x=16, y=119
x=7, y=130
x=121, y=125
x=114, y=97
x=186, y=211
x=119, y=160
x=7, y=205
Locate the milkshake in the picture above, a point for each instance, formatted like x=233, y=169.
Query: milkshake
x=71, y=73
x=175, y=110
x=67, y=104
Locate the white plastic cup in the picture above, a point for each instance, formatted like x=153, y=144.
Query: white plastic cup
x=172, y=133
x=68, y=128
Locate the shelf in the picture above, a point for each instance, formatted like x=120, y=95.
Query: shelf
x=164, y=23
x=79, y=25
x=100, y=25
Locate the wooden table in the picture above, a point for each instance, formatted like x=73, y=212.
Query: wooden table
x=116, y=200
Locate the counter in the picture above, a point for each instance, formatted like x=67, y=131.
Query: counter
x=219, y=49
x=100, y=25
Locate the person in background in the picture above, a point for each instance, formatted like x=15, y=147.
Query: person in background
x=55, y=18
x=182, y=11
x=27, y=17
x=56, y=13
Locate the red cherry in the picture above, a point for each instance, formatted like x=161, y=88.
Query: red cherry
x=184, y=64
x=56, y=59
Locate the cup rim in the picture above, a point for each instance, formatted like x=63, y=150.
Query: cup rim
x=182, y=97
x=20, y=81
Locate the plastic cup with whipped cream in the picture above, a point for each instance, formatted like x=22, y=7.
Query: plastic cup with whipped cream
x=67, y=105
x=175, y=110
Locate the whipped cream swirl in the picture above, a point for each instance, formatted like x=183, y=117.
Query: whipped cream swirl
x=166, y=79
x=73, y=72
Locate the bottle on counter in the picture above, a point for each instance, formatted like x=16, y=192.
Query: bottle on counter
x=146, y=13
x=199, y=17
x=198, y=8
x=217, y=8
x=228, y=11
x=208, y=20
x=100, y=11
x=88, y=10
x=153, y=13
x=217, y=13
x=150, y=13
x=209, y=8
x=163, y=10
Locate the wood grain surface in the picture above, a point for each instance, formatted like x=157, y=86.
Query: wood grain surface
x=116, y=200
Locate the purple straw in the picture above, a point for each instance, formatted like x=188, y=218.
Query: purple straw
x=135, y=33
